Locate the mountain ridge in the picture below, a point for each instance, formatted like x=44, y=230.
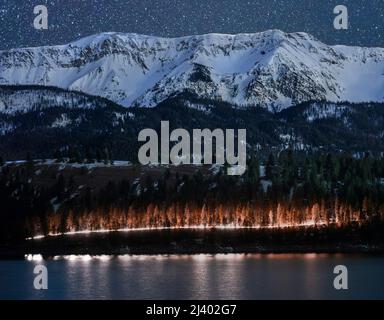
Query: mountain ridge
x=271, y=69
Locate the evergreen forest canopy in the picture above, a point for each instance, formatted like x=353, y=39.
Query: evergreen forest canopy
x=288, y=191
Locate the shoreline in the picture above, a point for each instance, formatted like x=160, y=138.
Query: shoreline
x=351, y=250
x=194, y=242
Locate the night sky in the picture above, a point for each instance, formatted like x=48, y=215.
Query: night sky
x=72, y=19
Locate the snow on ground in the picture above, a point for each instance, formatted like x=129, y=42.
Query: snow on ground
x=63, y=165
x=61, y=122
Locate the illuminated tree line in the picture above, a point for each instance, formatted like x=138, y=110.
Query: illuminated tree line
x=293, y=191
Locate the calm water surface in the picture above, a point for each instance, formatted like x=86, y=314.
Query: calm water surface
x=287, y=276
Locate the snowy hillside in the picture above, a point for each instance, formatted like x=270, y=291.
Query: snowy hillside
x=22, y=100
x=271, y=69
x=46, y=121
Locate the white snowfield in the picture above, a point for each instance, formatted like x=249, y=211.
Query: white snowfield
x=271, y=69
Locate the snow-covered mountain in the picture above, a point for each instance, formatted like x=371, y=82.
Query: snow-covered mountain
x=272, y=69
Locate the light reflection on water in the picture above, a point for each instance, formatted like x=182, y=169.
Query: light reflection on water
x=233, y=276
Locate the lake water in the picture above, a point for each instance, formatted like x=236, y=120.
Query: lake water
x=272, y=276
